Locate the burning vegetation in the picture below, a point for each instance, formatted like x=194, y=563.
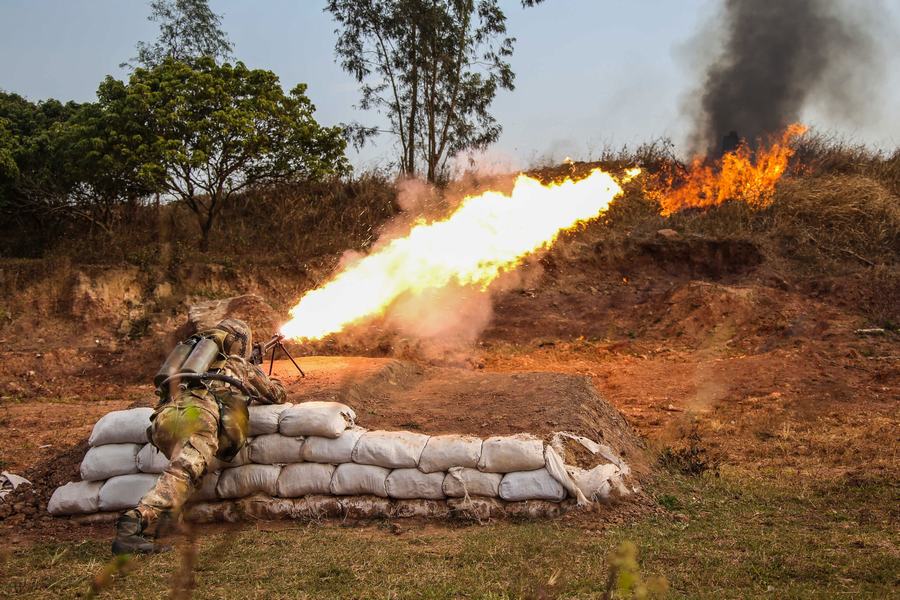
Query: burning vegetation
x=741, y=174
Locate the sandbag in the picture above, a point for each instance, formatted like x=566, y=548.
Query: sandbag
x=460, y=480
x=110, y=460
x=264, y=418
x=122, y=427
x=248, y=479
x=390, y=449
x=75, y=498
x=506, y=454
x=324, y=419
x=445, y=451
x=591, y=446
x=367, y=507
x=531, y=485
x=422, y=509
x=557, y=469
x=304, y=479
x=151, y=460
x=352, y=479
x=331, y=450
x=275, y=448
x=596, y=483
x=125, y=491
x=206, y=491
x=412, y=483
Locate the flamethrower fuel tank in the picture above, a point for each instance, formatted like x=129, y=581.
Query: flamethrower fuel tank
x=173, y=362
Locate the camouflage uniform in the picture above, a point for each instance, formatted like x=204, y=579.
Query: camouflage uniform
x=195, y=425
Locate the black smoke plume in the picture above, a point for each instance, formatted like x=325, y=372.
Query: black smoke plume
x=777, y=56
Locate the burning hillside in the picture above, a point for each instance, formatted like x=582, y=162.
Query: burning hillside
x=741, y=174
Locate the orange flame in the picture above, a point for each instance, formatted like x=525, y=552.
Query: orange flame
x=739, y=176
x=484, y=237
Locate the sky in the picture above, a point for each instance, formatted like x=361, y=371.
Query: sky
x=590, y=74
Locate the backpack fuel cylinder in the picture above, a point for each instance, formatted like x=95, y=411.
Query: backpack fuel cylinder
x=201, y=357
x=173, y=362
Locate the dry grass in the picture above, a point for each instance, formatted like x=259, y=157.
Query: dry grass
x=282, y=224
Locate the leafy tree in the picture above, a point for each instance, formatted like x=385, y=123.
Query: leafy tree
x=9, y=170
x=433, y=67
x=34, y=180
x=34, y=177
x=215, y=130
x=110, y=162
x=188, y=29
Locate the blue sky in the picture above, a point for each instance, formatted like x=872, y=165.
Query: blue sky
x=590, y=73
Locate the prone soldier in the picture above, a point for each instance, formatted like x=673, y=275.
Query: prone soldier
x=205, y=386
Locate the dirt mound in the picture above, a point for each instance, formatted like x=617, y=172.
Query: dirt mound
x=392, y=394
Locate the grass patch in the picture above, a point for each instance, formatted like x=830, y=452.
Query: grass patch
x=736, y=536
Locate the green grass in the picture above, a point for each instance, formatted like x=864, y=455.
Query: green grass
x=731, y=537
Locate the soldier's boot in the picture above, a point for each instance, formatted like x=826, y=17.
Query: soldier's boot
x=130, y=536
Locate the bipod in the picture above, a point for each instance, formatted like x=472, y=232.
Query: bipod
x=280, y=344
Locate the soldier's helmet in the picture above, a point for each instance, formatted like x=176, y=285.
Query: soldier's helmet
x=238, y=342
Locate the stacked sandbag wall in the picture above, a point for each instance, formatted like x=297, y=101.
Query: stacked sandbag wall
x=312, y=459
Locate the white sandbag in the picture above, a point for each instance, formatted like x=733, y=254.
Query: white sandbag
x=248, y=479
x=596, y=483
x=125, y=491
x=557, y=469
x=75, y=498
x=264, y=418
x=275, y=448
x=390, y=449
x=460, y=480
x=304, y=479
x=351, y=479
x=590, y=445
x=506, y=454
x=122, y=427
x=445, y=451
x=103, y=462
x=408, y=484
x=331, y=450
x=151, y=460
x=206, y=491
x=421, y=509
x=324, y=419
x=367, y=507
x=531, y=485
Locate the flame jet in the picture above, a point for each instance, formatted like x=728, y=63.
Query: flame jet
x=485, y=236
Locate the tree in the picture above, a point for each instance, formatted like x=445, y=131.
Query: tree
x=34, y=177
x=188, y=29
x=215, y=130
x=110, y=162
x=433, y=67
x=9, y=170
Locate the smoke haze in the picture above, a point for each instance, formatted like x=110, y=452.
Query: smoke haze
x=778, y=56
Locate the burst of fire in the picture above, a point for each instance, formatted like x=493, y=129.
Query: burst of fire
x=741, y=175
x=484, y=237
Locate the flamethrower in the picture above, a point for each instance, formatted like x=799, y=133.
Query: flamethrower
x=275, y=344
